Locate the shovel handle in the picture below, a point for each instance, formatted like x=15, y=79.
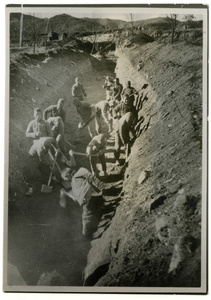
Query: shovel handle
x=49, y=180
x=70, y=144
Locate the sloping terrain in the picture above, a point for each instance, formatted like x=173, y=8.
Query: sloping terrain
x=155, y=236
x=149, y=234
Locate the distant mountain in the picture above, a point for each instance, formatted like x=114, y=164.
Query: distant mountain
x=164, y=23
x=111, y=23
x=154, y=22
x=69, y=24
x=42, y=26
x=30, y=25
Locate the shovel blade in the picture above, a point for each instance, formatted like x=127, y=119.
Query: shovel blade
x=46, y=189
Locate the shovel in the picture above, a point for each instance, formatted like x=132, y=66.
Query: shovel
x=71, y=145
x=65, y=159
x=47, y=188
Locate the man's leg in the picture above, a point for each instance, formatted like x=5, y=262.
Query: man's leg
x=98, y=124
x=91, y=128
x=117, y=148
x=93, y=164
x=103, y=163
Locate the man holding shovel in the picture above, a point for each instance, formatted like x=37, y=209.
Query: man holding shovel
x=124, y=107
x=57, y=127
x=41, y=159
x=130, y=91
x=85, y=187
x=124, y=133
x=96, y=151
x=87, y=113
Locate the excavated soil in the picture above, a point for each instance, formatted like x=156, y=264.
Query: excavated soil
x=148, y=224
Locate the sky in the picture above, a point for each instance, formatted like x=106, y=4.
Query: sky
x=122, y=13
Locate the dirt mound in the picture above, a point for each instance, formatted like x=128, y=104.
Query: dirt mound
x=157, y=226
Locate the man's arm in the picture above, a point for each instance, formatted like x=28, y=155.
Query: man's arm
x=29, y=131
x=116, y=110
x=119, y=89
x=73, y=90
x=83, y=91
x=48, y=129
x=104, y=112
x=46, y=111
x=61, y=126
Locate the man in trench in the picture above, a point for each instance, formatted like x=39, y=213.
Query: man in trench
x=124, y=107
x=78, y=91
x=103, y=116
x=108, y=86
x=55, y=110
x=96, y=151
x=38, y=127
x=85, y=188
x=40, y=161
x=87, y=113
x=57, y=127
x=130, y=91
x=117, y=90
x=124, y=134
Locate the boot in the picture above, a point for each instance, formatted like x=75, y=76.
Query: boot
x=29, y=191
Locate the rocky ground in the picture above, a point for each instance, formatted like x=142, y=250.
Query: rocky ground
x=149, y=228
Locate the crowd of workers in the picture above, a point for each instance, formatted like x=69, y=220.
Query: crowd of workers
x=117, y=114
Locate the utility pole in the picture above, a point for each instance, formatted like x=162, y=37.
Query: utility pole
x=21, y=29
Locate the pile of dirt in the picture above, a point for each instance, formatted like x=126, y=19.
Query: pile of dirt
x=155, y=236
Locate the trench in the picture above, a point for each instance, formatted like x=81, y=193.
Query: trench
x=45, y=241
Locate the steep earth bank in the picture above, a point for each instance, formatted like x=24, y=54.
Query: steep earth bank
x=155, y=236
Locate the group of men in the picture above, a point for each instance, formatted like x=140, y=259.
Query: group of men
x=117, y=113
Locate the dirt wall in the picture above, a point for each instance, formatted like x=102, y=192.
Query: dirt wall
x=154, y=238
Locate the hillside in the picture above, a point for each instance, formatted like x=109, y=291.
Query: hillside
x=148, y=223
x=112, y=23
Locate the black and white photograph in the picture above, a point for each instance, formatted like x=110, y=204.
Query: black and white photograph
x=105, y=180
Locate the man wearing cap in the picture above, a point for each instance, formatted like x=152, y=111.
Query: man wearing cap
x=102, y=115
x=130, y=91
x=38, y=127
x=85, y=189
x=124, y=133
x=124, y=107
x=40, y=160
x=57, y=127
x=55, y=110
x=108, y=85
x=78, y=91
x=96, y=151
x=87, y=113
x=117, y=90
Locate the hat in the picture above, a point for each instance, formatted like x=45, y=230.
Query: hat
x=61, y=100
x=65, y=172
x=48, y=141
x=111, y=103
x=128, y=82
x=37, y=109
